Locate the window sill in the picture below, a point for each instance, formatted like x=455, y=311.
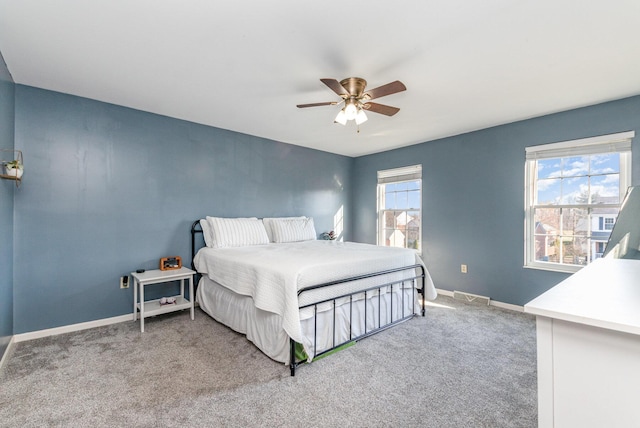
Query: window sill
x=553, y=267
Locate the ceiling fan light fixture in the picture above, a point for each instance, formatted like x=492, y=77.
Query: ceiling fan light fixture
x=361, y=117
x=341, y=118
x=351, y=110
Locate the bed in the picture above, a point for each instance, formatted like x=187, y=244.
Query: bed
x=298, y=298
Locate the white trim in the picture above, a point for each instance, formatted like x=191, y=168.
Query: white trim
x=7, y=353
x=390, y=176
x=509, y=306
x=22, y=337
x=612, y=143
x=445, y=292
x=492, y=302
x=554, y=267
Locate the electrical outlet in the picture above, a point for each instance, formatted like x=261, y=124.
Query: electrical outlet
x=463, y=268
x=124, y=281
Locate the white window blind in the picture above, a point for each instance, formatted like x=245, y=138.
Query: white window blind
x=407, y=173
x=612, y=143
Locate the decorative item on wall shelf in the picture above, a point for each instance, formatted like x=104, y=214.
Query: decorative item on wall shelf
x=170, y=263
x=329, y=236
x=12, y=169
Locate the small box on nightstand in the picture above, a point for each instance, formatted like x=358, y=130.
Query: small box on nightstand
x=170, y=263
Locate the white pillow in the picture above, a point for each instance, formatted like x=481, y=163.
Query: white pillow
x=293, y=230
x=205, y=224
x=237, y=232
x=268, y=222
x=207, y=233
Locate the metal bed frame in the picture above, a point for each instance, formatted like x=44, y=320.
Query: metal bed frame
x=369, y=291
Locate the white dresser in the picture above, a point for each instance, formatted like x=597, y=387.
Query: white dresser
x=588, y=332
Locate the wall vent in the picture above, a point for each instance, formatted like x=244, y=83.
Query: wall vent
x=471, y=298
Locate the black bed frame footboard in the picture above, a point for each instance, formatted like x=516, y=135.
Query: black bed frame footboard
x=294, y=363
x=371, y=291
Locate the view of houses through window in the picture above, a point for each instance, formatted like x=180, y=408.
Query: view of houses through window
x=573, y=198
x=400, y=207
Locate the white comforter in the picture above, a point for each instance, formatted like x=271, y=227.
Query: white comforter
x=272, y=274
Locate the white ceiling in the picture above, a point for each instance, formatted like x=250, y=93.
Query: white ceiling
x=244, y=65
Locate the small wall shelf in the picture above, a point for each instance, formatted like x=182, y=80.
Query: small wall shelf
x=11, y=155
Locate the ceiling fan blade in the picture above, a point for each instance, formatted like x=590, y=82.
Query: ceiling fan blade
x=384, y=90
x=336, y=87
x=380, y=108
x=329, y=103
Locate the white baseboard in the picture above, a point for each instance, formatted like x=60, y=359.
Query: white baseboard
x=507, y=306
x=22, y=337
x=491, y=302
x=71, y=328
x=7, y=353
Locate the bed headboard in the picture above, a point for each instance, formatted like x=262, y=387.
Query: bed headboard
x=196, y=229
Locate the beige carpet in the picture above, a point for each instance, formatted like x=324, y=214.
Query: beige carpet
x=463, y=365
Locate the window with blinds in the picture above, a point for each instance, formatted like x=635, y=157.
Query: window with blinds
x=573, y=195
x=400, y=207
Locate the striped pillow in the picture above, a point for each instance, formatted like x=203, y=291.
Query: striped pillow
x=207, y=234
x=293, y=230
x=268, y=221
x=236, y=232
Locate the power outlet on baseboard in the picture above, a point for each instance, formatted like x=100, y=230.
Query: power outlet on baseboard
x=124, y=281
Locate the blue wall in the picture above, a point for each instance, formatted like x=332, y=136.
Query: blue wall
x=109, y=189
x=7, y=189
x=473, y=197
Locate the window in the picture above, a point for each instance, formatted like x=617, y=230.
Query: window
x=400, y=207
x=608, y=222
x=573, y=195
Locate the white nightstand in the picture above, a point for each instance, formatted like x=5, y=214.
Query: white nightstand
x=153, y=307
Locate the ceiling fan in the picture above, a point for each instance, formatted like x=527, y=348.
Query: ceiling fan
x=356, y=100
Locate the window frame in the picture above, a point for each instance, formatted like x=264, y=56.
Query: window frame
x=611, y=143
x=405, y=174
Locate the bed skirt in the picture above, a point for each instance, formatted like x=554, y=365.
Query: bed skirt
x=331, y=323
